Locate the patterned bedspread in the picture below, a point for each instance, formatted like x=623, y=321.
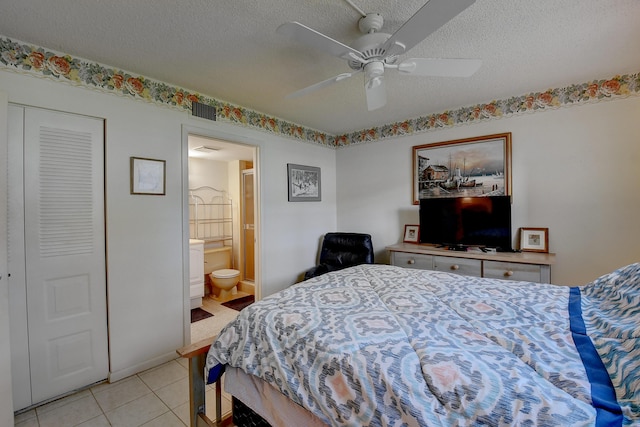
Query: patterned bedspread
x=387, y=346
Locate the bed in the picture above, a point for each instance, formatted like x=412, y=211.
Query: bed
x=387, y=346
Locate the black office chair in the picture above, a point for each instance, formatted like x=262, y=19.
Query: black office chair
x=342, y=250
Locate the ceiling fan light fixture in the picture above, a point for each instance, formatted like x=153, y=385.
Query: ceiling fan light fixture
x=373, y=69
x=406, y=67
x=374, y=82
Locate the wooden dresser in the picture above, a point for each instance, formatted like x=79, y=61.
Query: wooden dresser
x=525, y=266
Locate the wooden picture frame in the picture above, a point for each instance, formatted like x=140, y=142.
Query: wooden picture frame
x=148, y=176
x=534, y=239
x=411, y=234
x=470, y=167
x=304, y=183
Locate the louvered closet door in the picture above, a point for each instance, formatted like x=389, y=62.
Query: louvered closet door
x=65, y=251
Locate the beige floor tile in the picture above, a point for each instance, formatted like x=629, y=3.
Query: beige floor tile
x=31, y=422
x=175, y=394
x=30, y=414
x=106, y=385
x=137, y=412
x=163, y=375
x=168, y=419
x=71, y=414
x=40, y=410
x=122, y=392
x=100, y=421
x=183, y=362
x=182, y=412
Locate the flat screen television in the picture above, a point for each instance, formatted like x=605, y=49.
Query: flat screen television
x=467, y=221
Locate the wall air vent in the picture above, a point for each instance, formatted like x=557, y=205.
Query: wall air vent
x=203, y=111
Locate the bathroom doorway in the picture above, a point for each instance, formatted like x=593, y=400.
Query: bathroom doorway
x=218, y=162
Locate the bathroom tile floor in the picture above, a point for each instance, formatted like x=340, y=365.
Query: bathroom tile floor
x=156, y=397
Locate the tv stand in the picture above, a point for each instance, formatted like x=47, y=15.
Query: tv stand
x=524, y=266
x=459, y=248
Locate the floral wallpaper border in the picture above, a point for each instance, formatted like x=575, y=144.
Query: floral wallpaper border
x=23, y=57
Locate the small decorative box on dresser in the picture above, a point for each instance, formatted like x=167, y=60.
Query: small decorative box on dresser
x=525, y=266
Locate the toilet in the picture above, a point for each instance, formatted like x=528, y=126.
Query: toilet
x=217, y=264
x=225, y=280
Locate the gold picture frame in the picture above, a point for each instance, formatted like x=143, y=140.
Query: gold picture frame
x=468, y=167
x=534, y=239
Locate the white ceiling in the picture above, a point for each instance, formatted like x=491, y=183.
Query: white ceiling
x=229, y=50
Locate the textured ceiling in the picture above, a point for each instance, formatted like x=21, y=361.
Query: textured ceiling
x=229, y=50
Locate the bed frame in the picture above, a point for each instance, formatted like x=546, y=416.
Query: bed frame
x=197, y=355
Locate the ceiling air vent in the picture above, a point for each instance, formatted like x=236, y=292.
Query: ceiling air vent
x=203, y=111
x=205, y=149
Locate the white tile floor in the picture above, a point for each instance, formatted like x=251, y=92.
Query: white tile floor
x=157, y=397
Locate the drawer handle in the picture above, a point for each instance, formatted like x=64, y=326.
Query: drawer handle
x=455, y=267
x=508, y=273
x=411, y=261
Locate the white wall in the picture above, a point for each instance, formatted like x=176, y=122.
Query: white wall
x=208, y=172
x=297, y=226
x=575, y=170
x=144, y=233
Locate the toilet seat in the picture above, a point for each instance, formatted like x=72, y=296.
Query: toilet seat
x=225, y=273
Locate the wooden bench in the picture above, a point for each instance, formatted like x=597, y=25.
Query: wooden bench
x=197, y=355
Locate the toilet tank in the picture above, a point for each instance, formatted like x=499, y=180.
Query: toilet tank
x=217, y=259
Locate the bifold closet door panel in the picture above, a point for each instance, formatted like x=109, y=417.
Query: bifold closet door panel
x=19, y=333
x=64, y=251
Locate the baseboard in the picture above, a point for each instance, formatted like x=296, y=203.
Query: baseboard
x=247, y=287
x=135, y=369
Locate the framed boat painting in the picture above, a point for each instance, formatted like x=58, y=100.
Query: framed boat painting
x=470, y=167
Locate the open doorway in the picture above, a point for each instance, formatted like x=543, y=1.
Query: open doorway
x=221, y=204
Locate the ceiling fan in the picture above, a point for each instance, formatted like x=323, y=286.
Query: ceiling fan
x=374, y=51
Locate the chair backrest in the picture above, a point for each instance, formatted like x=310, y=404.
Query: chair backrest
x=346, y=249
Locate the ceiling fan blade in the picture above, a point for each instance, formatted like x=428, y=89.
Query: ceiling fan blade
x=320, y=85
x=433, y=15
x=376, y=91
x=310, y=37
x=439, y=67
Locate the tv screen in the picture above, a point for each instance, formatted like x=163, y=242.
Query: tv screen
x=467, y=221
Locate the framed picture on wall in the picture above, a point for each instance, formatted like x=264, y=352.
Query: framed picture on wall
x=304, y=183
x=411, y=234
x=534, y=239
x=469, y=167
x=148, y=176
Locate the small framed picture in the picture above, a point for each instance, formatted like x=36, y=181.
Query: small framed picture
x=148, y=176
x=534, y=239
x=304, y=183
x=411, y=233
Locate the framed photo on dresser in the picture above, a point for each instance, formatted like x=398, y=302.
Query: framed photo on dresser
x=411, y=234
x=534, y=239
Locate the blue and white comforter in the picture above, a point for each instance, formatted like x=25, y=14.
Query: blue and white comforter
x=388, y=346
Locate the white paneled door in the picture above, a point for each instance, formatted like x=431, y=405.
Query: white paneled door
x=57, y=253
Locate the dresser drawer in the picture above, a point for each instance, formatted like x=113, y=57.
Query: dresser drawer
x=513, y=271
x=466, y=266
x=419, y=261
